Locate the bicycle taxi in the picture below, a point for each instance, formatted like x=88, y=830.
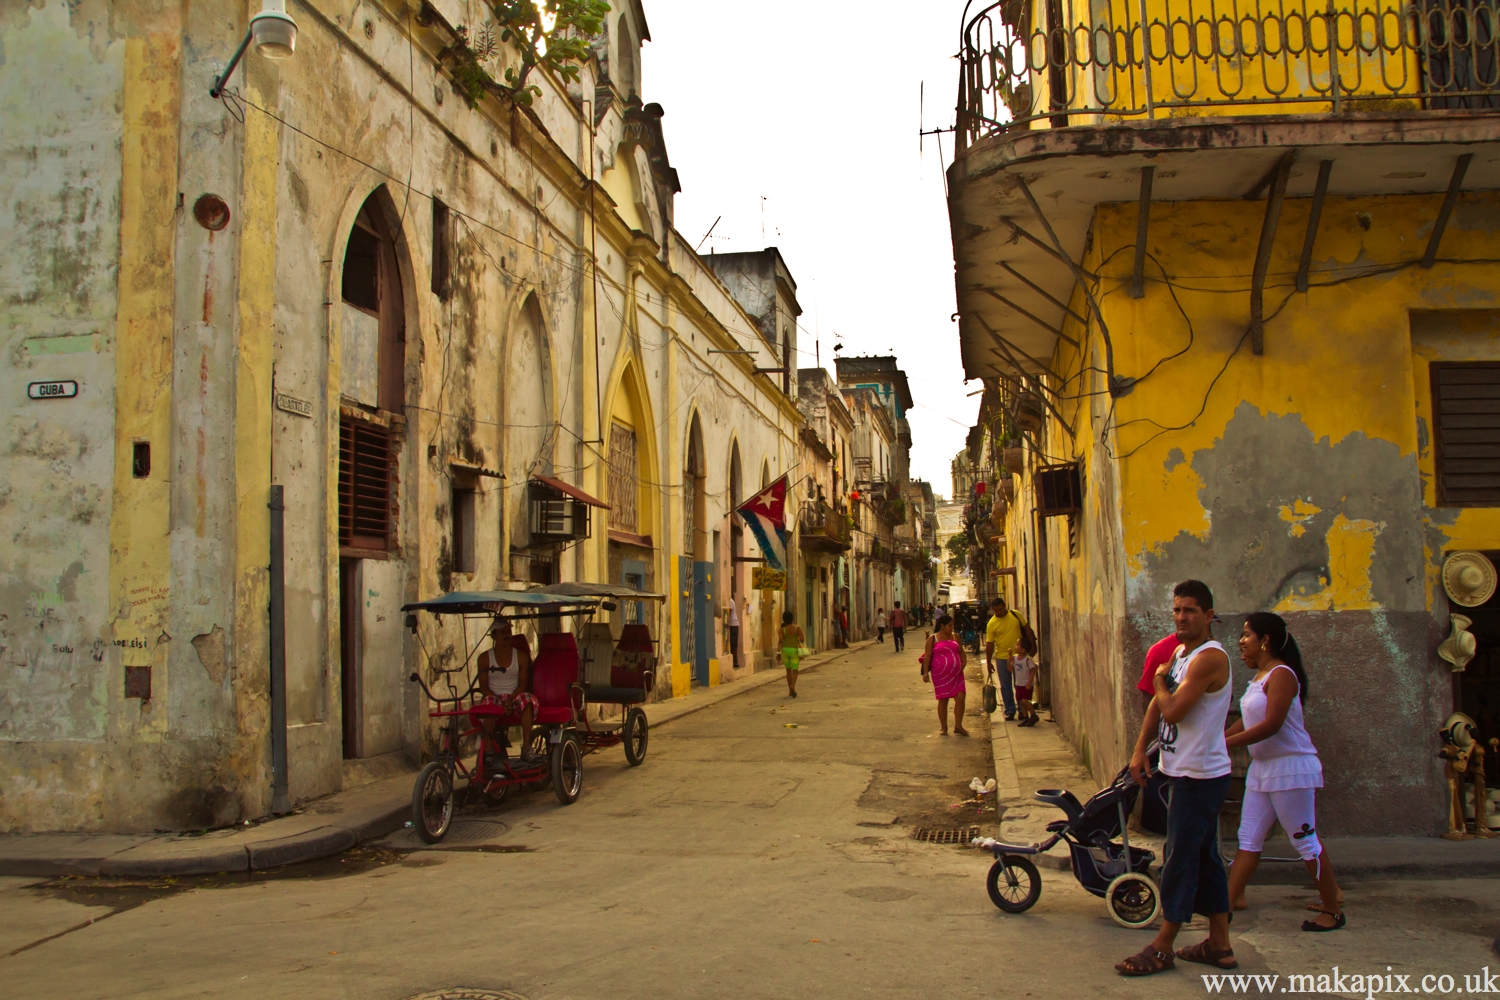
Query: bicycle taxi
x=568, y=678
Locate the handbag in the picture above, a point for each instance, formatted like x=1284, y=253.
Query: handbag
x=990, y=703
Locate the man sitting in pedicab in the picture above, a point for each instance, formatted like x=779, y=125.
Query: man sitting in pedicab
x=505, y=682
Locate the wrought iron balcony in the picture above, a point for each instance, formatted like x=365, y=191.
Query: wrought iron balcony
x=1145, y=59
x=825, y=531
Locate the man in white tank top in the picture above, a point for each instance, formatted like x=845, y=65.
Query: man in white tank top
x=1187, y=715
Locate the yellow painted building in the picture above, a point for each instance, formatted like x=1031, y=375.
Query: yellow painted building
x=424, y=320
x=1231, y=304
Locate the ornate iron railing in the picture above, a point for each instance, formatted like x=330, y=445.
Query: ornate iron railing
x=1023, y=66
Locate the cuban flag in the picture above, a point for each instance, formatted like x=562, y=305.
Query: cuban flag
x=765, y=514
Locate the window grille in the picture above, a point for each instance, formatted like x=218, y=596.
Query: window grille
x=1466, y=433
x=624, y=486
x=364, y=484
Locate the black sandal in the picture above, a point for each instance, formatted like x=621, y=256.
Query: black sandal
x=1312, y=926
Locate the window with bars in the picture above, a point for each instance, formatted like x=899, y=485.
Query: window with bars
x=624, y=486
x=1466, y=432
x=689, y=512
x=365, y=458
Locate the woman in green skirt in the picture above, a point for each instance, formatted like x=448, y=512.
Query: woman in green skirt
x=792, y=641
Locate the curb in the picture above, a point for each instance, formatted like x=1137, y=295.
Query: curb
x=154, y=859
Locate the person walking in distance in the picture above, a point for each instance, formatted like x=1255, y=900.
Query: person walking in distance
x=792, y=641
x=734, y=634
x=1001, y=635
x=880, y=624
x=1187, y=714
x=1284, y=768
x=898, y=629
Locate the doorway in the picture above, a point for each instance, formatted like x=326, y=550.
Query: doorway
x=349, y=656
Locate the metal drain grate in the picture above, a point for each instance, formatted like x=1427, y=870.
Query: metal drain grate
x=945, y=834
x=475, y=832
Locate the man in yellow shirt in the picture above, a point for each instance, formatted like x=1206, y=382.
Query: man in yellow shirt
x=1001, y=635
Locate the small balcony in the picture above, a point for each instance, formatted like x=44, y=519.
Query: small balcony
x=1163, y=59
x=825, y=531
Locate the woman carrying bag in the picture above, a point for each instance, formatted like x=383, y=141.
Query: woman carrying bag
x=943, y=663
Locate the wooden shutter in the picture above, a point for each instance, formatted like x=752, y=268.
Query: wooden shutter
x=1466, y=432
x=364, y=485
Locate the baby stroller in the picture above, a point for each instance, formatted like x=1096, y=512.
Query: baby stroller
x=1130, y=894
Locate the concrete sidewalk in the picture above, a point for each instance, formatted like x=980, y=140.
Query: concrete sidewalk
x=1040, y=757
x=319, y=828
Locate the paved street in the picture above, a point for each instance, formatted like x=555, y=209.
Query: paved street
x=762, y=850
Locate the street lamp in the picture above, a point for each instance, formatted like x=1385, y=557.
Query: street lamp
x=275, y=36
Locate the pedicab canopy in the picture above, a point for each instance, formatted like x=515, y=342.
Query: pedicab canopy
x=474, y=602
x=601, y=590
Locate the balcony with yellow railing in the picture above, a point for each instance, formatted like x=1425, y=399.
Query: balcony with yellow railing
x=1027, y=64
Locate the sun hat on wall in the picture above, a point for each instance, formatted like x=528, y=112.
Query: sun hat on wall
x=1469, y=578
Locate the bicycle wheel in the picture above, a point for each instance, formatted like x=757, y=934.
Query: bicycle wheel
x=432, y=802
x=567, y=770
x=637, y=735
x=1014, y=883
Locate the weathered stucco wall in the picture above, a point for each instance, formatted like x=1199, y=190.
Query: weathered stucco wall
x=1297, y=481
x=59, y=219
x=183, y=336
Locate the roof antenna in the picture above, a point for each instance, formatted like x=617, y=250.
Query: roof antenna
x=706, y=235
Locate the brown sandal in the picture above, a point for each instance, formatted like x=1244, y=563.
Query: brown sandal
x=1206, y=954
x=1147, y=962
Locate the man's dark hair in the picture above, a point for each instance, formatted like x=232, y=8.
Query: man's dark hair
x=997, y=602
x=898, y=604
x=1198, y=591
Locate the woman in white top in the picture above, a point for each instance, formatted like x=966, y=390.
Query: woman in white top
x=1284, y=768
x=505, y=682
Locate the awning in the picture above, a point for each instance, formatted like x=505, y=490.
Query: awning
x=618, y=591
x=572, y=491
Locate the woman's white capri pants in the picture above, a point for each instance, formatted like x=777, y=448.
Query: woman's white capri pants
x=1293, y=807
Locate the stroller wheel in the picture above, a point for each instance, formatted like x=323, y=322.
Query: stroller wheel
x=1013, y=883
x=1133, y=900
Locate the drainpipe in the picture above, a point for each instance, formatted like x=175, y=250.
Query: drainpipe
x=280, y=804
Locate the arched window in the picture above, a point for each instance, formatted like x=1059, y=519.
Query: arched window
x=625, y=59
x=372, y=368
x=693, y=500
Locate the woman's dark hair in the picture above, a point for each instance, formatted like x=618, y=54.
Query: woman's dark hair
x=787, y=618
x=942, y=620
x=1272, y=628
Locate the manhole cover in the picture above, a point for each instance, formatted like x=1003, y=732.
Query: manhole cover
x=462, y=993
x=945, y=835
x=475, y=832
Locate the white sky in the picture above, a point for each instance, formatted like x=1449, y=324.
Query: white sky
x=813, y=107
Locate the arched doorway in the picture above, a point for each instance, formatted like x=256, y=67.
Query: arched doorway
x=372, y=342
x=736, y=553
x=694, y=565
x=529, y=437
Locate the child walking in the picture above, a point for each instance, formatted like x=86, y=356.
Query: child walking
x=1023, y=670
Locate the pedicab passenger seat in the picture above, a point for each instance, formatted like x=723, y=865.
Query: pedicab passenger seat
x=632, y=664
x=553, y=675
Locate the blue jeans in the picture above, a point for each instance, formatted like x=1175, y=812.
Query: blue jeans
x=1007, y=686
x=1193, y=879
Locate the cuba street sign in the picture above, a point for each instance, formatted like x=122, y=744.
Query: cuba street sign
x=66, y=389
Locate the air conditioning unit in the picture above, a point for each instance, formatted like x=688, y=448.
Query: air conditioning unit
x=556, y=517
x=1059, y=490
